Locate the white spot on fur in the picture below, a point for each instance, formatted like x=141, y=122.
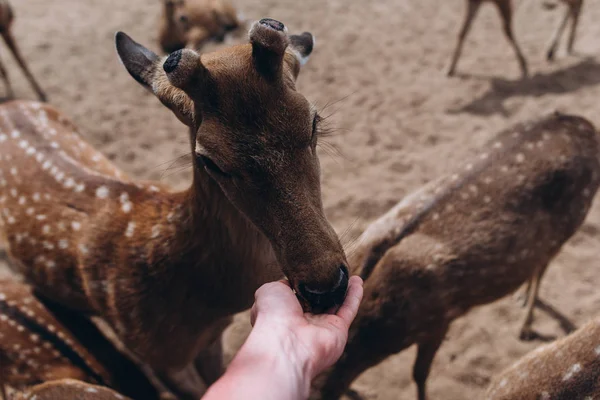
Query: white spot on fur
x=155, y=231
x=130, y=229
x=36, y=197
x=30, y=211
x=91, y=390
x=79, y=188
x=575, y=368
x=13, y=192
x=83, y=248
x=520, y=158
x=15, y=134
x=498, y=145
x=102, y=192
x=46, y=229
x=63, y=243
x=21, y=200
x=40, y=217
x=76, y=225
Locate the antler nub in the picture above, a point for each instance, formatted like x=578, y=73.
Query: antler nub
x=184, y=69
x=269, y=40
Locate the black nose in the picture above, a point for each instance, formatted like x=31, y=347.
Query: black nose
x=183, y=19
x=320, y=301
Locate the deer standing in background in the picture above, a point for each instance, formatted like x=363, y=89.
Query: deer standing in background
x=568, y=368
x=465, y=240
x=168, y=270
x=41, y=342
x=191, y=23
x=505, y=9
x=6, y=20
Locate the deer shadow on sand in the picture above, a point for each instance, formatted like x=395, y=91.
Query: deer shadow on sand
x=585, y=73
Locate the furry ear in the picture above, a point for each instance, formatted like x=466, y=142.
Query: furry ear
x=269, y=40
x=144, y=66
x=138, y=60
x=301, y=46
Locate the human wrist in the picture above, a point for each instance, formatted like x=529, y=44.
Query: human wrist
x=273, y=348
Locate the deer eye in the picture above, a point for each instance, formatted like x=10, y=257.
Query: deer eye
x=210, y=166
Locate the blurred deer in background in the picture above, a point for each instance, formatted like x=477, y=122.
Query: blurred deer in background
x=468, y=239
x=42, y=342
x=6, y=20
x=505, y=8
x=566, y=369
x=191, y=23
x=167, y=269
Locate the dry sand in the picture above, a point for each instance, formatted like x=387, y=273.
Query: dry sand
x=401, y=123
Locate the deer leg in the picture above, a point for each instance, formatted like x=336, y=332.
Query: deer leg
x=575, y=12
x=557, y=36
x=425, y=354
x=185, y=384
x=9, y=91
x=532, y=295
x=505, y=10
x=472, y=7
x=12, y=45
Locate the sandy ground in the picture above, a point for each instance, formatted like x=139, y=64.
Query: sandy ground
x=401, y=123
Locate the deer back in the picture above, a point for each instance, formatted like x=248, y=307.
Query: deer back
x=68, y=389
x=480, y=232
x=568, y=368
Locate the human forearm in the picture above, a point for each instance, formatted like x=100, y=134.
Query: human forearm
x=269, y=366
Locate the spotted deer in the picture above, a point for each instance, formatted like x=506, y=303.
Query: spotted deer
x=191, y=23
x=505, y=8
x=168, y=269
x=6, y=21
x=41, y=342
x=568, y=368
x=65, y=389
x=468, y=239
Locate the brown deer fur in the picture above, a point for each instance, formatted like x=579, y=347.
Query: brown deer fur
x=165, y=269
x=505, y=8
x=68, y=389
x=468, y=239
x=41, y=341
x=563, y=370
x=6, y=20
x=191, y=23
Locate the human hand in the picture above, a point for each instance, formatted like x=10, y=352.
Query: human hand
x=315, y=342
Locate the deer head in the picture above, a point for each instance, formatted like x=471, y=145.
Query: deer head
x=254, y=136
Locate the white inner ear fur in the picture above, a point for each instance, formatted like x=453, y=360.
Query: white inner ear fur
x=302, y=60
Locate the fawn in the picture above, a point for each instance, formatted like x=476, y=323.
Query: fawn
x=41, y=341
x=6, y=20
x=505, y=9
x=568, y=368
x=167, y=270
x=468, y=239
x=191, y=23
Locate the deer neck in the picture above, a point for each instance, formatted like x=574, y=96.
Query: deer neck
x=218, y=253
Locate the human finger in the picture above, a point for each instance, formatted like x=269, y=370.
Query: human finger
x=349, y=309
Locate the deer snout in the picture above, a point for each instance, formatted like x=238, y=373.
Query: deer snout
x=321, y=298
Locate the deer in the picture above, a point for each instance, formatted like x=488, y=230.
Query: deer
x=505, y=9
x=6, y=20
x=192, y=23
x=68, y=389
x=568, y=368
x=167, y=270
x=42, y=342
x=467, y=239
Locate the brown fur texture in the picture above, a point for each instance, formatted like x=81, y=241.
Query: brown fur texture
x=192, y=23
x=468, y=239
x=68, y=389
x=566, y=369
x=41, y=341
x=505, y=9
x=167, y=270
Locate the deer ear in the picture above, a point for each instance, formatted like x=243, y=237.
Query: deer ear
x=138, y=60
x=143, y=65
x=301, y=46
x=269, y=40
